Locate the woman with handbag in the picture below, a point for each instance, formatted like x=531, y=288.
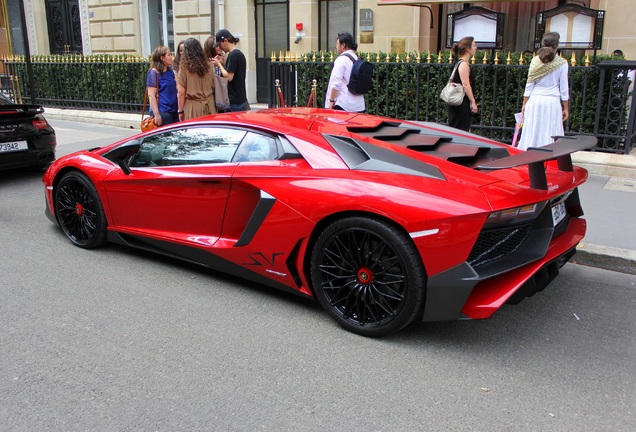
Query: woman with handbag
x=162, y=87
x=213, y=51
x=460, y=116
x=195, y=82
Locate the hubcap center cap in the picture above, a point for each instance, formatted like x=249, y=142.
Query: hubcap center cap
x=79, y=209
x=365, y=276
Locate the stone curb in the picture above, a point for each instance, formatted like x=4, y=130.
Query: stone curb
x=607, y=164
x=605, y=257
x=123, y=120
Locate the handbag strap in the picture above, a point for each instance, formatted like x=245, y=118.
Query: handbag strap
x=455, y=70
x=143, y=105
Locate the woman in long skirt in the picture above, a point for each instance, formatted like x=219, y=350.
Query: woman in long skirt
x=546, y=89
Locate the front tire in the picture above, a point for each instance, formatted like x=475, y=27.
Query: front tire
x=79, y=211
x=368, y=276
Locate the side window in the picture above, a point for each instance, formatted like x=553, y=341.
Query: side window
x=256, y=147
x=193, y=146
x=336, y=16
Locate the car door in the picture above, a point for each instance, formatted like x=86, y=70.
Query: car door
x=257, y=154
x=178, y=185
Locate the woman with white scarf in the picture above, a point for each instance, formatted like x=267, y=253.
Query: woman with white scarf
x=546, y=88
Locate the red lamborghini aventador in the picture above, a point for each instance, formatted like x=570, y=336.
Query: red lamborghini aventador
x=383, y=221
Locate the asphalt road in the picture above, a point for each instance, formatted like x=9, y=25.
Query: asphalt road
x=114, y=339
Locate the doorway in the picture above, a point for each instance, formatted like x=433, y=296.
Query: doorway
x=64, y=26
x=272, y=35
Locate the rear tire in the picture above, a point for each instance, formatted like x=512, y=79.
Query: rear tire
x=368, y=276
x=79, y=211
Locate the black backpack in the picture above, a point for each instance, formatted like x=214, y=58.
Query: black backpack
x=361, y=76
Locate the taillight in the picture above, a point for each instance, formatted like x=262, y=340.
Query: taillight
x=514, y=215
x=40, y=124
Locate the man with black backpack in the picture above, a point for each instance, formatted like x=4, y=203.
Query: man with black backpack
x=350, y=77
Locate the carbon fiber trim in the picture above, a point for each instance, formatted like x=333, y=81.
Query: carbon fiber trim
x=265, y=204
x=198, y=256
x=359, y=155
x=560, y=150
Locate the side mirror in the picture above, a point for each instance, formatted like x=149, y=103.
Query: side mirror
x=121, y=154
x=124, y=167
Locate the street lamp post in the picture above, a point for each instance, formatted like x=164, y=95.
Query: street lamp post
x=27, y=53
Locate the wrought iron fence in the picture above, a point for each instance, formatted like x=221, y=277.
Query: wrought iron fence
x=100, y=82
x=406, y=86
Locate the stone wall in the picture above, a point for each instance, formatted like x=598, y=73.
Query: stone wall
x=114, y=26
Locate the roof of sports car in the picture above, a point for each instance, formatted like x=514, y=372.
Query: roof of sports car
x=300, y=118
x=429, y=138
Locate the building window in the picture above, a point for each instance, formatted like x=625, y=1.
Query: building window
x=161, y=30
x=272, y=25
x=336, y=16
x=520, y=20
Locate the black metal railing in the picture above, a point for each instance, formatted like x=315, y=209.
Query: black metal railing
x=100, y=82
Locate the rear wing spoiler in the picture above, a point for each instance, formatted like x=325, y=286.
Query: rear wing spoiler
x=534, y=157
x=21, y=109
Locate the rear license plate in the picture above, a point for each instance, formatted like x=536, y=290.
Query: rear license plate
x=558, y=213
x=13, y=146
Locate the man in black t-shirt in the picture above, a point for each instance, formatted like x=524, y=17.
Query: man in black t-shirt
x=234, y=70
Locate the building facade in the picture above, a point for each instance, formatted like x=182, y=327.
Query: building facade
x=273, y=26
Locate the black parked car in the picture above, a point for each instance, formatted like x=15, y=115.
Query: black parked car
x=26, y=138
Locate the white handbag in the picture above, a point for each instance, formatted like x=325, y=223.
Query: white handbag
x=453, y=93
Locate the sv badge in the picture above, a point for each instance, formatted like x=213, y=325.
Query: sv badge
x=259, y=259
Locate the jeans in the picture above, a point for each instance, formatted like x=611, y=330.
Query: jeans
x=237, y=107
x=168, y=117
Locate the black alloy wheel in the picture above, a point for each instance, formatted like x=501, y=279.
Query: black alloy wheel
x=368, y=275
x=79, y=211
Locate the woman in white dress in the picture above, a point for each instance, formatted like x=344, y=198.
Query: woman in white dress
x=546, y=89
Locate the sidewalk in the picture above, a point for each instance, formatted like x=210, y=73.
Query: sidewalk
x=608, y=197
x=609, y=204
x=123, y=120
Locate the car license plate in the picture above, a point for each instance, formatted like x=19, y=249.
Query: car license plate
x=13, y=146
x=558, y=213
